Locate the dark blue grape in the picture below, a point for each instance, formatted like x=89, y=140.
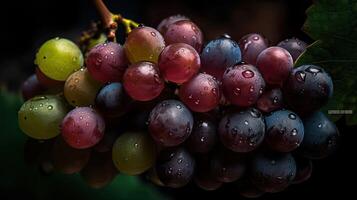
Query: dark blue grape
x=218, y=55
x=295, y=47
x=307, y=89
x=175, y=167
x=170, y=123
x=284, y=130
x=242, y=131
x=112, y=100
x=272, y=172
x=321, y=136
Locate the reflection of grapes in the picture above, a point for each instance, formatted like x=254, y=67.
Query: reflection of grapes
x=174, y=110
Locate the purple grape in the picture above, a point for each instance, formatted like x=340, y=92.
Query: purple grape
x=242, y=85
x=203, y=176
x=165, y=23
x=272, y=172
x=107, y=62
x=284, y=131
x=31, y=87
x=251, y=46
x=294, y=46
x=218, y=55
x=270, y=100
x=170, y=123
x=308, y=88
x=201, y=93
x=242, y=131
x=175, y=167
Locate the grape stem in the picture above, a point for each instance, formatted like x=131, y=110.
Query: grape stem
x=111, y=21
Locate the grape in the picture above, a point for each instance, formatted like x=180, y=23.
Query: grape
x=204, y=134
x=144, y=44
x=179, y=62
x=31, y=87
x=203, y=176
x=107, y=62
x=106, y=144
x=272, y=172
x=285, y=131
x=218, y=55
x=170, y=123
x=307, y=89
x=184, y=31
x=67, y=159
x=242, y=131
x=41, y=116
x=82, y=128
x=165, y=23
x=275, y=64
x=321, y=137
x=270, y=100
x=99, y=171
x=48, y=82
x=294, y=46
x=227, y=166
x=242, y=85
x=58, y=58
x=37, y=151
x=252, y=45
x=80, y=89
x=142, y=81
x=303, y=170
x=201, y=93
x=112, y=100
x=134, y=153
x=175, y=167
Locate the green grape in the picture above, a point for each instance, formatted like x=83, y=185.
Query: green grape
x=94, y=41
x=144, y=44
x=58, y=58
x=134, y=153
x=41, y=116
x=81, y=89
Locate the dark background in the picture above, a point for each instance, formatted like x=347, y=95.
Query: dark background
x=27, y=24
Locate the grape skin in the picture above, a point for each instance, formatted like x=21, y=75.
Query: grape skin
x=275, y=64
x=107, y=62
x=252, y=45
x=58, y=58
x=47, y=82
x=175, y=167
x=165, y=23
x=134, y=153
x=144, y=44
x=294, y=46
x=31, y=87
x=242, y=131
x=201, y=93
x=40, y=116
x=82, y=128
x=142, y=81
x=284, y=131
x=218, y=55
x=242, y=85
x=170, y=123
x=184, y=31
x=270, y=100
x=179, y=62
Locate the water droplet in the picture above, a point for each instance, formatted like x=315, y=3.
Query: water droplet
x=261, y=90
x=256, y=38
x=237, y=91
x=294, y=132
x=87, y=124
x=190, y=96
x=255, y=113
x=292, y=116
x=49, y=107
x=214, y=91
x=197, y=101
x=313, y=69
x=57, y=38
x=300, y=76
x=246, y=122
x=136, y=145
x=275, y=100
x=178, y=106
x=81, y=117
x=225, y=35
x=202, y=139
x=234, y=131
x=248, y=73
x=111, y=53
x=207, y=50
x=76, y=80
x=251, y=89
x=179, y=160
x=41, y=104
x=169, y=171
x=153, y=34
x=319, y=125
x=272, y=162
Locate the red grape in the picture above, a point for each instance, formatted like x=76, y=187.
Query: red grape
x=165, y=23
x=179, y=62
x=252, y=45
x=107, y=62
x=275, y=64
x=82, y=128
x=142, y=81
x=242, y=85
x=201, y=93
x=184, y=31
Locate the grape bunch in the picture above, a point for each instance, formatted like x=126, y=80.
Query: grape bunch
x=174, y=109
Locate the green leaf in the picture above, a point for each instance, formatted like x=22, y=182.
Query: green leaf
x=16, y=176
x=333, y=24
